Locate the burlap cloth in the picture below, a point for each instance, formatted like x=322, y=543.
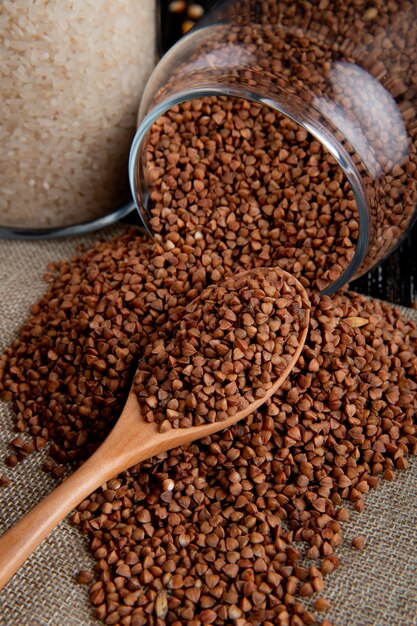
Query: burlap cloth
x=374, y=587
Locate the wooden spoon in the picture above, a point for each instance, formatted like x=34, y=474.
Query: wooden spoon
x=131, y=441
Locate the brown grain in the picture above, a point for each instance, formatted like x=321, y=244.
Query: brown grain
x=327, y=61
x=218, y=530
x=255, y=202
x=358, y=542
x=223, y=352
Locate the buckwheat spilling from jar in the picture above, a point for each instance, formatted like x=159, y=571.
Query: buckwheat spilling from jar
x=211, y=532
x=224, y=352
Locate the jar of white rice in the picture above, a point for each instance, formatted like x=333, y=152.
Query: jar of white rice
x=72, y=73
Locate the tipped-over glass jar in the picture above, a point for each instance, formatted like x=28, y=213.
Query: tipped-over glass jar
x=288, y=130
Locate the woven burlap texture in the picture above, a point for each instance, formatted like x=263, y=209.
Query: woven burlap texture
x=374, y=587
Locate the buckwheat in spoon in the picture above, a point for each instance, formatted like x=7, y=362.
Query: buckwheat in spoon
x=214, y=362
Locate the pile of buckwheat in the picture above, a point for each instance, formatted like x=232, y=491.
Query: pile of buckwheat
x=211, y=532
x=224, y=352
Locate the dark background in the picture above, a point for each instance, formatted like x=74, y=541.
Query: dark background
x=395, y=279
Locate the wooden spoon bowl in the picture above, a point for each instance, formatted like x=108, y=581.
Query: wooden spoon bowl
x=131, y=441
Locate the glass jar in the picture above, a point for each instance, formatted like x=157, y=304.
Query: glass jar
x=72, y=74
x=339, y=78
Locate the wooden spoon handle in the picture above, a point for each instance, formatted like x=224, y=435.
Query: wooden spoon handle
x=25, y=536
x=130, y=442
